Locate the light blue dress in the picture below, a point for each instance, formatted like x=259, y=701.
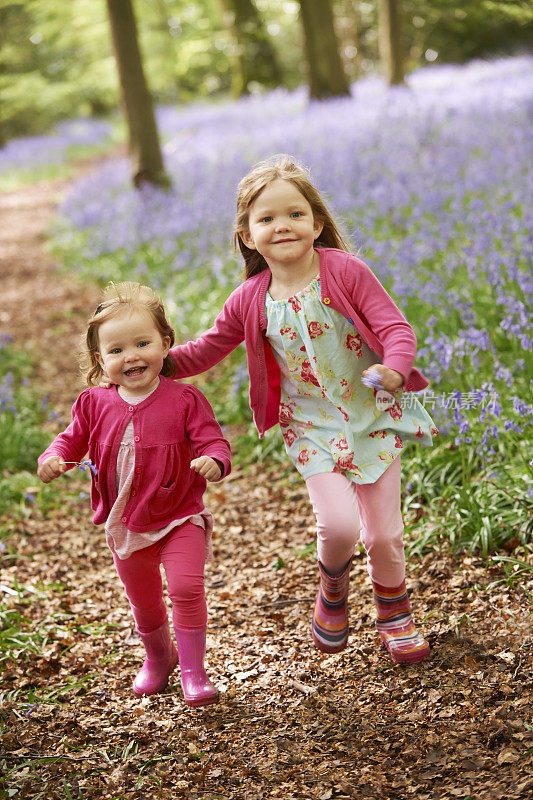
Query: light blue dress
x=329, y=419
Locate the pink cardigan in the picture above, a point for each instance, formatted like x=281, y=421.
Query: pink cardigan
x=348, y=286
x=170, y=427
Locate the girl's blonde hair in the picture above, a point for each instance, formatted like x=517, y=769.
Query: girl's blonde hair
x=115, y=298
x=251, y=186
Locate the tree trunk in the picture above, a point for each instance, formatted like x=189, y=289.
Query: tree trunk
x=255, y=60
x=145, y=150
x=390, y=41
x=326, y=73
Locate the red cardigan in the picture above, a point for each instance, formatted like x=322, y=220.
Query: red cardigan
x=171, y=427
x=348, y=286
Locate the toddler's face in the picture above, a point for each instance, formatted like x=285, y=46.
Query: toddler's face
x=281, y=225
x=132, y=351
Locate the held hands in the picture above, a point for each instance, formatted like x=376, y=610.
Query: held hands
x=390, y=379
x=51, y=468
x=207, y=468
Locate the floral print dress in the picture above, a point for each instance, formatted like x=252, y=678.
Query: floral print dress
x=329, y=419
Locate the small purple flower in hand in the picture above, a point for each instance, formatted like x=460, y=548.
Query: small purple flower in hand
x=372, y=379
x=84, y=464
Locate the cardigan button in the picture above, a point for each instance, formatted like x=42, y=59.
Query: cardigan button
x=327, y=301
x=124, y=520
x=131, y=408
x=138, y=470
x=351, y=320
x=133, y=492
x=136, y=438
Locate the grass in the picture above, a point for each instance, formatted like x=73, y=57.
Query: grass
x=452, y=498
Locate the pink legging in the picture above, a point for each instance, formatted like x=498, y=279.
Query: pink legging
x=182, y=553
x=345, y=510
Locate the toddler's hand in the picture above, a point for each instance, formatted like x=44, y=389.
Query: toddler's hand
x=390, y=379
x=52, y=468
x=206, y=467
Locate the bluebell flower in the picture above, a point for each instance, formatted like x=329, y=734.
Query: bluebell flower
x=372, y=379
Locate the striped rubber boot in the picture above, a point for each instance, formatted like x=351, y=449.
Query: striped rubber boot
x=395, y=624
x=330, y=617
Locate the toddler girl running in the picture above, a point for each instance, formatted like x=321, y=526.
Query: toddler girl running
x=153, y=443
x=317, y=325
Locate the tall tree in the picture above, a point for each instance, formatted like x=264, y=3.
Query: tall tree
x=255, y=60
x=326, y=74
x=390, y=41
x=145, y=150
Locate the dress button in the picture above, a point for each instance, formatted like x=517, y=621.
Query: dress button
x=131, y=408
x=124, y=520
x=327, y=301
x=137, y=438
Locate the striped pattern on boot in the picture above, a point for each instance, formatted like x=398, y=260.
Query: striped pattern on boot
x=396, y=627
x=330, y=617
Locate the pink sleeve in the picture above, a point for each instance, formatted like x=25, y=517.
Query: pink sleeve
x=213, y=345
x=204, y=432
x=73, y=443
x=383, y=317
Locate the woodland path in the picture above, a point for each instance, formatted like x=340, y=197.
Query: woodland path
x=292, y=723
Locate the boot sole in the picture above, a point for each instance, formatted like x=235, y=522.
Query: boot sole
x=326, y=648
x=413, y=658
x=203, y=701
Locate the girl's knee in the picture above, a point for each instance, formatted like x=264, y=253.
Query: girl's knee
x=188, y=589
x=336, y=526
x=384, y=543
x=189, y=608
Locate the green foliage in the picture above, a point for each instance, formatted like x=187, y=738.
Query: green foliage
x=452, y=497
x=22, y=438
x=56, y=59
x=457, y=32
x=55, y=63
x=22, y=415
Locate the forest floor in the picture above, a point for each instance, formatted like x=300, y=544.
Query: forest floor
x=291, y=723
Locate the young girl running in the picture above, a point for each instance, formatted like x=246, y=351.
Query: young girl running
x=316, y=323
x=152, y=444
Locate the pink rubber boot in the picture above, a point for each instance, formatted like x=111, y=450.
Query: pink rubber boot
x=330, y=617
x=161, y=658
x=197, y=688
x=396, y=626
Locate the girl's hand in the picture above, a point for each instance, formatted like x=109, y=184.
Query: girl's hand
x=52, y=468
x=207, y=468
x=390, y=379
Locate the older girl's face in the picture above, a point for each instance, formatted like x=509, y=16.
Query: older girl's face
x=281, y=225
x=132, y=351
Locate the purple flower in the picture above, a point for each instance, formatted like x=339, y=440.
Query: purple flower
x=372, y=379
x=88, y=464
